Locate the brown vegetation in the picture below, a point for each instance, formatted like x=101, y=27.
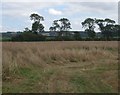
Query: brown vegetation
x=60, y=66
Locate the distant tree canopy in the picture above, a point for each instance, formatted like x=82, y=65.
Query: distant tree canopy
x=37, y=26
x=77, y=36
x=89, y=25
x=28, y=36
x=27, y=30
x=65, y=24
x=36, y=17
x=62, y=26
x=108, y=28
x=32, y=35
x=117, y=30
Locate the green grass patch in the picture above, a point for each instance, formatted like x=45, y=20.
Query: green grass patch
x=85, y=84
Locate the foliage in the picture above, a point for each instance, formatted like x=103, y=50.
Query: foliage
x=109, y=30
x=77, y=36
x=61, y=26
x=37, y=26
x=27, y=30
x=106, y=27
x=89, y=25
x=90, y=33
x=117, y=31
x=36, y=17
x=28, y=36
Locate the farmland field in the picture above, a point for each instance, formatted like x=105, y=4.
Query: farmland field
x=60, y=67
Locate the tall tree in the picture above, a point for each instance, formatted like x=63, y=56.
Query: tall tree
x=89, y=25
x=37, y=26
x=56, y=25
x=65, y=26
x=106, y=27
x=61, y=26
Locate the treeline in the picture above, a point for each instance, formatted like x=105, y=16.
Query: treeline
x=108, y=28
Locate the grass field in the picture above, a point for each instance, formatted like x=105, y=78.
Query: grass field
x=60, y=67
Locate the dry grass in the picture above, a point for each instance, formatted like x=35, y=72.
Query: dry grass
x=60, y=66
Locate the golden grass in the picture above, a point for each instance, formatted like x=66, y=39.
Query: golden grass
x=62, y=60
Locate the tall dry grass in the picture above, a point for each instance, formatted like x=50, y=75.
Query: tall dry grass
x=17, y=54
x=67, y=57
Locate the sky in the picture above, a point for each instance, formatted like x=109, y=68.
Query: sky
x=15, y=16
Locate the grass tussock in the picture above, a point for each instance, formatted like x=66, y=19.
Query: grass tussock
x=60, y=66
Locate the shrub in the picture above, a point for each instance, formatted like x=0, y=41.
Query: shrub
x=28, y=36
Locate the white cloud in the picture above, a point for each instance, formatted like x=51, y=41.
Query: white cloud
x=54, y=12
x=20, y=9
x=93, y=10
x=7, y=28
x=92, y=7
x=75, y=11
x=24, y=9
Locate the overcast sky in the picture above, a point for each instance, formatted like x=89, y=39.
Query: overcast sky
x=15, y=15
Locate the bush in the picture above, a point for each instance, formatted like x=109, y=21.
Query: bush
x=28, y=36
x=63, y=38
